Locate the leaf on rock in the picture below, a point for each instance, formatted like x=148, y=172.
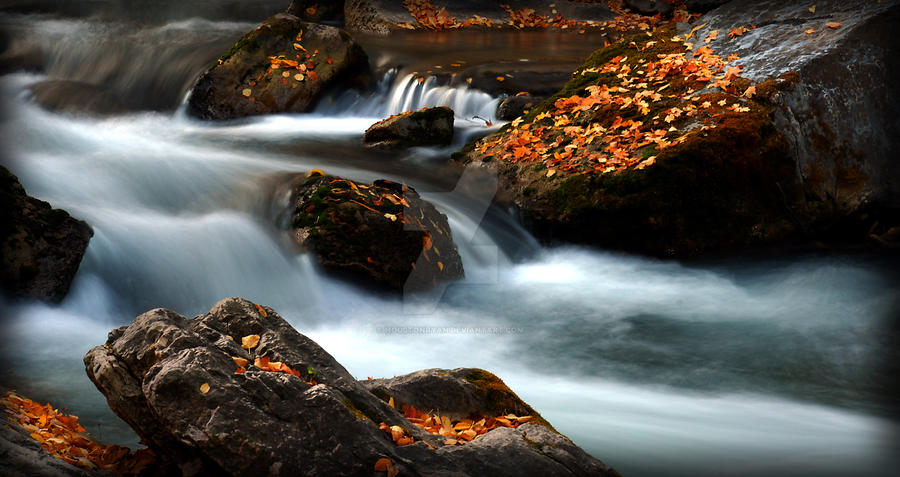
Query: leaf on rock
x=204, y=388
x=382, y=464
x=249, y=341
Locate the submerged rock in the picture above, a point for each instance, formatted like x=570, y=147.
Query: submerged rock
x=75, y=97
x=283, y=65
x=425, y=127
x=42, y=247
x=382, y=232
x=174, y=380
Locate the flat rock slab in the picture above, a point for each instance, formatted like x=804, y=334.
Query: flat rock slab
x=174, y=380
x=309, y=58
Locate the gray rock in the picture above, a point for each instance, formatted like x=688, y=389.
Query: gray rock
x=75, y=97
x=244, y=84
x=425, y=127
x=42, y=247
x=841, y=113
x=383, y=233
x=268, y=423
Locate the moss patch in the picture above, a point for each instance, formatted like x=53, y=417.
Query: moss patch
x=499, y=399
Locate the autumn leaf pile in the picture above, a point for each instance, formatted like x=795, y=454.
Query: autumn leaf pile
x=292, y=71
x=432, y=17
x=63, y=437
x=630, y=108
x=457, y=432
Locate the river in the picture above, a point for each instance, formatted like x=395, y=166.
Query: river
x=780, y=364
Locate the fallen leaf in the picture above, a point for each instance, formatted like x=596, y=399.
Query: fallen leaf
x=501, y=78
x=241, y=362
x=382, y=464
x=261, y=310
x=812, y=9
x=247, y=92
x=249, y=341
x=809, y=31
x=833, y=25
x=204, y=388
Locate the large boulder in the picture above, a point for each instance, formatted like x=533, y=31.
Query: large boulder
x=177, y=382
x=284, y=65
x=383, y=232
x=789, y=136
x=425, y=127
x=42, y=247
x=840, y=114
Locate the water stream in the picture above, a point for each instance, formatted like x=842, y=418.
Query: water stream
x=779, y=365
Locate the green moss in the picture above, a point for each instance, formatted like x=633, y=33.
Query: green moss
x=247, y=41
x=499, y=399
x=355, y=410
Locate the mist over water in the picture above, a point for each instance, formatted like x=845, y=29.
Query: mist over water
x=737, y=367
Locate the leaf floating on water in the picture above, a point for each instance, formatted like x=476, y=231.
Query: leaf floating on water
x=204, y=388
x=249, y=341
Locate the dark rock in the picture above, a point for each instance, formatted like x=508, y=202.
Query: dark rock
x=457, y=393
x=269, y=423
x=649, y=7
x=42, y=247
x=22, y=456
x=425, y=127
x=813, y=159
x=703, y=6
x=514, y=106
x=317, y=11
x=75, y=97
x=839, y=108
x=243, y=82
x=384, y=232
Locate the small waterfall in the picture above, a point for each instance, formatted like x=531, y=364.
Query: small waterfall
x=396, y=94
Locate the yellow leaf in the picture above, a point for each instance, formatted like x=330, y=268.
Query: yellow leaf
x=440, y=264
x=241, y=362
x=391, y=402
x=809, y=31
x=812, y=9
x=247, y=92
x=551, y=173
x=391, y=216
x=204, y=388
x=249, y=341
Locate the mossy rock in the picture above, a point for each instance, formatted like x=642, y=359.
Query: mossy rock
x=727, y=185
x=309, y=58
x=383, y=233
x=457, y=393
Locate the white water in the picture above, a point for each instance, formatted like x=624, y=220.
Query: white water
x=739, y=368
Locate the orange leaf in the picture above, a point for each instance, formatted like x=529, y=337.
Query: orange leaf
x=249, y=341
x=261, y=363
x=382, y=464
x=204, y=388
x=241, y=362
x=261, y=310
x=833, y=25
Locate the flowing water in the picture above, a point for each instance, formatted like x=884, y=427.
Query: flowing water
x=779, y=365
